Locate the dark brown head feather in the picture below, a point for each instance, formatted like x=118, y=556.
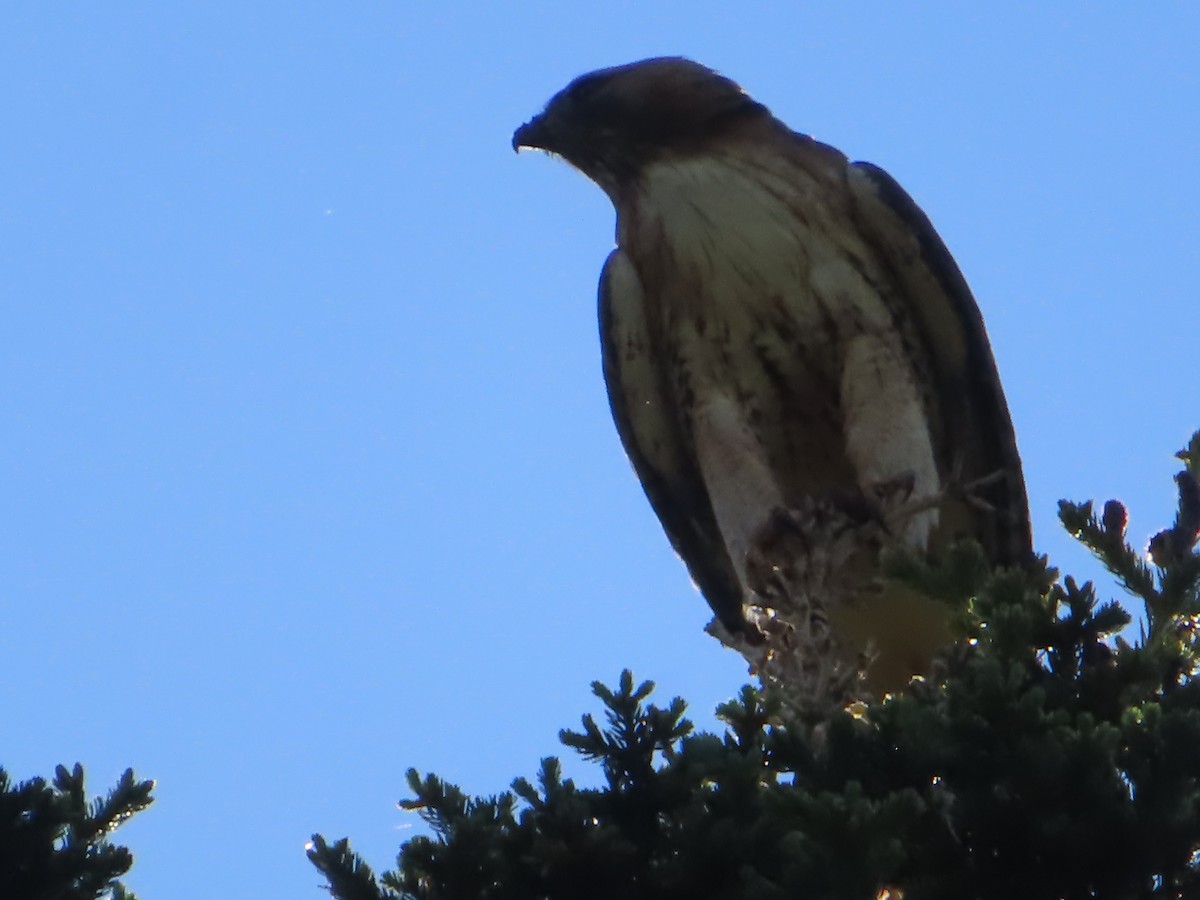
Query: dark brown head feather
x=611, y=123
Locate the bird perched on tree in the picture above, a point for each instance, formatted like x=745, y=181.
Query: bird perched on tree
x=785, y=339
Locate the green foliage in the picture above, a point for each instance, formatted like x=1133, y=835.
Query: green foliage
x=54, y=842
x=1044, y=757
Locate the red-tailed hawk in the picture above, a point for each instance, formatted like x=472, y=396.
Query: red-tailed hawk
x=781, y=326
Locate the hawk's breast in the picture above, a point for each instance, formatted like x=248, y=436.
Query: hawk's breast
x=760, y=295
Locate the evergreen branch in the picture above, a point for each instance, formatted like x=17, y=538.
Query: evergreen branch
x=54, y=842
x=349, y=877
x=1105, y=537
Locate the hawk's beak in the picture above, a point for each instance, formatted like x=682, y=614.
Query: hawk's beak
x=533, y=135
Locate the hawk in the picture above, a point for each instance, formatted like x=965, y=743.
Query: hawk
x=781, y=329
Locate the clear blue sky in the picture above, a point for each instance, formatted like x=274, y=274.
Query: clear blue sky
x=308, y=473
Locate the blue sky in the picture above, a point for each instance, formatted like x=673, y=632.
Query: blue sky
x=308, y=471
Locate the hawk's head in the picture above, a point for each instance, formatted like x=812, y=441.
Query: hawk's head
x=610, y=123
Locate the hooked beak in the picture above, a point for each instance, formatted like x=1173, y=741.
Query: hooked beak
x=532, y=135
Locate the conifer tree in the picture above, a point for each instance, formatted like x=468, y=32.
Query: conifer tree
x=1046, y=756
x=54, y=842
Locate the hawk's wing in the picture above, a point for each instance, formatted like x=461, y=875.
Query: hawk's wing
x=650, y=432
x=976, y=434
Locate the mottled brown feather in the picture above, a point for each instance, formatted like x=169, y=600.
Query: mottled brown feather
x=666, y=468
x=976, y=433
